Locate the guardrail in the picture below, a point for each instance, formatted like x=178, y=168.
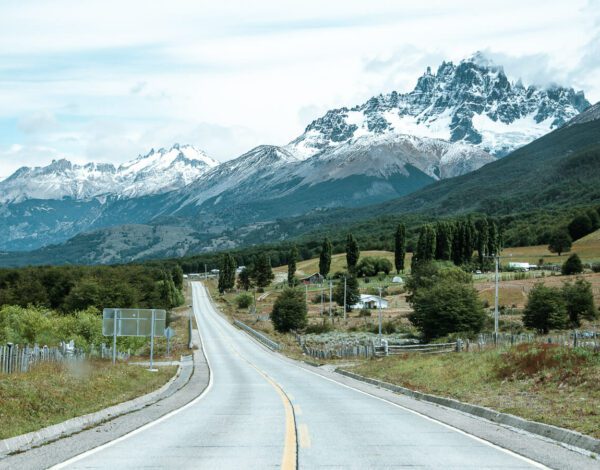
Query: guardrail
x=268, y=342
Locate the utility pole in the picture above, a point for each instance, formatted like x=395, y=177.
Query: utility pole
x=496, y=313
x=344, y=297
x=205, y=272
x=322, y=300
x=380, y=315
x=330, y=295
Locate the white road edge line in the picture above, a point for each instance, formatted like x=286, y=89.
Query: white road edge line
x=149, y=425
x=285, y=359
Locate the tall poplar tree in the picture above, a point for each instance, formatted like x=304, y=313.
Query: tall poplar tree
x=325, y=258
x=262, y=273
x=443, y=241
x=226, y=272
x=483, y=232
x=352, y=253
x=292, y=266
x=426, y=244
x=400, y=247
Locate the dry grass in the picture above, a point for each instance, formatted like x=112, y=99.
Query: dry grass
x=338, y=262
x=543, y=383
x=52, y=392
x=588, y=249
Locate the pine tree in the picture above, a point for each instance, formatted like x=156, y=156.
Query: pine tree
x=469, y=241
x=325, y=258
x=400, y=247
x=244, y=281
x=352, y=253
x=426, y=244
x=493, y=238
x=443, y=241
x=226, y=272
x=292, y=266
x=483, y=232
x=262, y=273
x=352, y=292
x=457, y=242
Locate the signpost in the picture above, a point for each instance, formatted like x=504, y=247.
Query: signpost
x=169, y=333
x=134, y=322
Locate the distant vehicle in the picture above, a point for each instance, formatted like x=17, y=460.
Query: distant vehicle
x=478, y=271
x=524, y=267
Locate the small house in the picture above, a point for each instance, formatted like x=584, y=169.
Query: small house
x=370, y=301
x=315, y=278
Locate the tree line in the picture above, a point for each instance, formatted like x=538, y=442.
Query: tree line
x=67, y=289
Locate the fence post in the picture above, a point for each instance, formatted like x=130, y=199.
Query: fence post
x=574, y=338
x=10, y=349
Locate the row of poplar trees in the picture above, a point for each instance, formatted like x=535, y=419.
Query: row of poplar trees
x=456, y=241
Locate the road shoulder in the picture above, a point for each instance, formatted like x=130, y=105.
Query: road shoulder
x=175, y=395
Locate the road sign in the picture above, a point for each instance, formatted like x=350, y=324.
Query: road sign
x=133, y=322
x=169, y=332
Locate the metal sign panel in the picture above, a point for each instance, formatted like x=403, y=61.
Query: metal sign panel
x=133, y=321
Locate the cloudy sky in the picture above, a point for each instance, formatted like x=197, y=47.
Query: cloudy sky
x=107, y=80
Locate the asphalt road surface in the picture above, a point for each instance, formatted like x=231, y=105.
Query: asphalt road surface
x=263, y=411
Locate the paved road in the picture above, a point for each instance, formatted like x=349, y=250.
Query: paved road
x=263, y=411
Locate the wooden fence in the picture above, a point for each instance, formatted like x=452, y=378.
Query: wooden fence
x=15, y=358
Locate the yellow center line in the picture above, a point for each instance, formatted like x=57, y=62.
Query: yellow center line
x=290, y=448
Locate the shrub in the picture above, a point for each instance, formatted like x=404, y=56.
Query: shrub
x=319, y=328
x=244, y=300
x=596, y=267
x=448, y=306
x=579, y=301
x=573, y=265
x=364, y=312
x=289, y=311
x=545, y=309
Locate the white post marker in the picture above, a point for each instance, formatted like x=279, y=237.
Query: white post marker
x=330, y=295
x=152, y=369
x=114, y=351
x=380, y=315
x=344, y=297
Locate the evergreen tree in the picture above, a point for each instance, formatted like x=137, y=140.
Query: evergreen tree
x=426, y=244
x=545, y=309
x=226, y=272
x=580, y=226
x=579, y=301
x=493, y=238
x=244, y=281
x=469, y=241
x=325, y=258
x=573, y=265
x=289, y=311
x=457, y=242
x=352, y=292
x=291, y=279
x=483, y=232
x=352, y=253
x=262, y=274
x=560, y=241
x=399, y=247
x=443, y=241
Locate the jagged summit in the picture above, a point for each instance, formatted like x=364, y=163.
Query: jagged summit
x=154, y=173
x=472, y=102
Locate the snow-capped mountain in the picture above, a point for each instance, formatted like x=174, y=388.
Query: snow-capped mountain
x=155, y=173
x=453, y=122
x=472, y=102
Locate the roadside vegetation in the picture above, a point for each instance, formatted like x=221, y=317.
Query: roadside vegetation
x=51, y=393
x=541, y=382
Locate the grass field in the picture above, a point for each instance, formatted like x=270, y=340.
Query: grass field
x=544, y=383
x=588, y=249
x=51, y=393
x=338, y=262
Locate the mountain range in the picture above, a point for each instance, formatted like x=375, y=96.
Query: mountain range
x=180, y=201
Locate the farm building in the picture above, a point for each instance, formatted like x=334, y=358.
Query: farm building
x=370, y=301
x=315, y=278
